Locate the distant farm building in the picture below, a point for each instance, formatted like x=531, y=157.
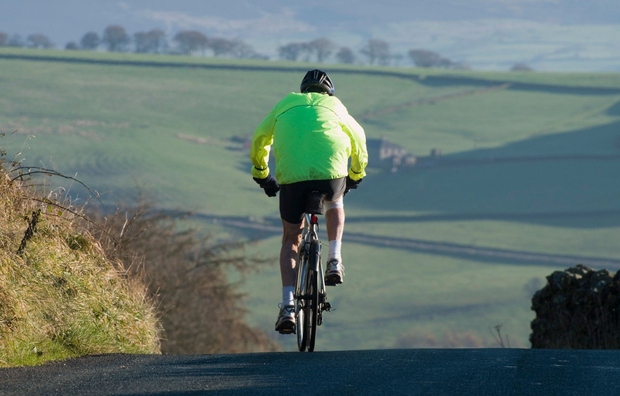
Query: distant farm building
x=385, y=154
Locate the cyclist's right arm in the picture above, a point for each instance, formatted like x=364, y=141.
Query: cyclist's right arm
x=359, y=152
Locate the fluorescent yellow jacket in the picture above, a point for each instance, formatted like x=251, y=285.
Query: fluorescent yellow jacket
x=313, y=137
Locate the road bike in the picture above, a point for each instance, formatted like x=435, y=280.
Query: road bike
x=310, y=296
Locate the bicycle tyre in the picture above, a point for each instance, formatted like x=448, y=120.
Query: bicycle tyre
x=313, y=295
x=302, y=334
x=301, y=303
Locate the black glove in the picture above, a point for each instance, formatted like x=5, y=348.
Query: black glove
x=269, y=184
x=351, y=184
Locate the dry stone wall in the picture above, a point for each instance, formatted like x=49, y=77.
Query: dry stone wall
x=577, y=309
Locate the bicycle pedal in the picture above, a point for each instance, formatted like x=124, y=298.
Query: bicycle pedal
x=333, y=280
x=287, y=328
x=327, y=306
x=287, y=331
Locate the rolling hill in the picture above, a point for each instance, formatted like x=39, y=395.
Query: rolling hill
x=437, y=253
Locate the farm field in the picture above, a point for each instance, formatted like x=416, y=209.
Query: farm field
x=437, y=254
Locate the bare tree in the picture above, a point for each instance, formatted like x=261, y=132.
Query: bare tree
x=90, y=41
x=157, y=39
x=153, y=41
x=4, y=38
x=140, y=41
x=115, y=38
x=322, y=48
x=426, y=58
x=292, y=51
x=221, y=46
x=377, y=51
x=190, y=41
x=38, y=40
x=345, y=55
x=244, y=51
x=235, y=48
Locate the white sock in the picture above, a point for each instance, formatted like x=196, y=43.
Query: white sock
x=334, y=250
x=287, y=295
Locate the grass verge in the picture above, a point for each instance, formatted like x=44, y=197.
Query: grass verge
x=59, y=296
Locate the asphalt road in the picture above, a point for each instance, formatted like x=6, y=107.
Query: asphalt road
x=376, y=372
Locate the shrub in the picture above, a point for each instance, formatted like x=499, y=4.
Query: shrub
x=201, y=310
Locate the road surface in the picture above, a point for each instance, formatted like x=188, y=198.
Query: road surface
x=374, y=372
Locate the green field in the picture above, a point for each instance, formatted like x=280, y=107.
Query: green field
x=529, y=165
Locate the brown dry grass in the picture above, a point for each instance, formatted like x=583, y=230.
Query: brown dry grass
x=60, y=296
x=202, y=311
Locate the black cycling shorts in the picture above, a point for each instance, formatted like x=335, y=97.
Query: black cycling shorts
x=293, y=196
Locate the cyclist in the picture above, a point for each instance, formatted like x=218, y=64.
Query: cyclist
x=313, y=136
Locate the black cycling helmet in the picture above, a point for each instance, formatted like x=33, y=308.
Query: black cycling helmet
x=317, y=81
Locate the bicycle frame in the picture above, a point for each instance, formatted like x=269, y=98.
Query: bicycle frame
x=311, y=231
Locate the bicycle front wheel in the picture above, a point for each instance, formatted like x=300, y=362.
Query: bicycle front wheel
x=312, y=311
x=301, y=302
x=302, y=334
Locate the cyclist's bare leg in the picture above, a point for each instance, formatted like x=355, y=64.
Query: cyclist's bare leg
x=334, y=219
x=291, y=238
x=334, y=222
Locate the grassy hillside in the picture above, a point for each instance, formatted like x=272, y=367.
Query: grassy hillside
x=59, y=296
x=529, y=166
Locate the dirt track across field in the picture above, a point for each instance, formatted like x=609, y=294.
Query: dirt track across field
x=267, y=228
